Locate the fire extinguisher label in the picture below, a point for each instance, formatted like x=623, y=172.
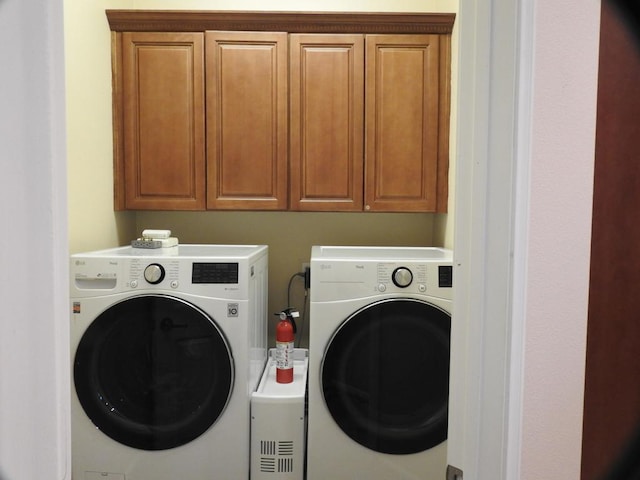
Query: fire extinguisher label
x=284, y=355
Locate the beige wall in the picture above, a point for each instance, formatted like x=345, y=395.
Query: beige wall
x=93, y=224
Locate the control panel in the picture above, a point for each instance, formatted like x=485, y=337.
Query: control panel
x=174, y=272
x=412, y=277
x=345, y=273
x=144, y=272
x=212, y=271
x=335, y=280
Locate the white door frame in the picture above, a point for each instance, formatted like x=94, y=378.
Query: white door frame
x=485, y=231
x=34, y=350
x=521, y=64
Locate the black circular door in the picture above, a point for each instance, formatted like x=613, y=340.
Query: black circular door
x=385, y=376
x=153, y=372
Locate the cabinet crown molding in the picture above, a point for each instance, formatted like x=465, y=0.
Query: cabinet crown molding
x=293, y=22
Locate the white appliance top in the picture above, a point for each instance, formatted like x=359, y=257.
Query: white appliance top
x=348, y=273
x=183, y=251
x=380, y=254
x=224, y=271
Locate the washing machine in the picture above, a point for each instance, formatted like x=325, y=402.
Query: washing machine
x=379, y=354
x=167, y=346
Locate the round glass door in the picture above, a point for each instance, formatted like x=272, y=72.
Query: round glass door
x=153, y=372
x=385, y=376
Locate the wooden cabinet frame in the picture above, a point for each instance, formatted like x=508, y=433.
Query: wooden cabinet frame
x=291, y=22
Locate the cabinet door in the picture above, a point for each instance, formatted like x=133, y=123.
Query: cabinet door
x=326, y=122
x=163, y=121
x=402, y=122
x=246, y=120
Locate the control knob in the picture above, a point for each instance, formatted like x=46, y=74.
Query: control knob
x=402, y=277
x=154, y=273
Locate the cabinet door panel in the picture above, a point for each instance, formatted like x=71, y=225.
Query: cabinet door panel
x=246, y=120
x=327, y=108
x=163, y=118
x=402, y=123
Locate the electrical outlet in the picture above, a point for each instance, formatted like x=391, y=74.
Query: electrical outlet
x=307, y=275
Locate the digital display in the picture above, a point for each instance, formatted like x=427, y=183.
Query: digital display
x=445, y=276
x=214, y=272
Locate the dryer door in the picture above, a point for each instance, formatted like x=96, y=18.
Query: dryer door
x=385, y=376
x=153, y=372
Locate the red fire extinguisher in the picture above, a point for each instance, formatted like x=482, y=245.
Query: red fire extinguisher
x=285, y=335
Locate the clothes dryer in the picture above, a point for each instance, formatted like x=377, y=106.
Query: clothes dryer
x=380, y=322
x=167, y=346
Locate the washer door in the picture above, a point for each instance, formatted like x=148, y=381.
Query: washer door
x=385, y=376
x=153, y=372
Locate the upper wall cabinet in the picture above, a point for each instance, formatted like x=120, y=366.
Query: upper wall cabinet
x=159, y=121
x=368, y=129
x=277, y=111
x=246, y=120
x=327, y=122
x=403, y=123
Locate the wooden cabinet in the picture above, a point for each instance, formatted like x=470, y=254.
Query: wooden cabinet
x=327, y=115
x=402, y=123
x=161, y=96
x=164, y=110
x=333, y=112
x=366, y=121
x=246, y=120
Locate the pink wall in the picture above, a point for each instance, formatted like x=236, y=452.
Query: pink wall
x=559, y=235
